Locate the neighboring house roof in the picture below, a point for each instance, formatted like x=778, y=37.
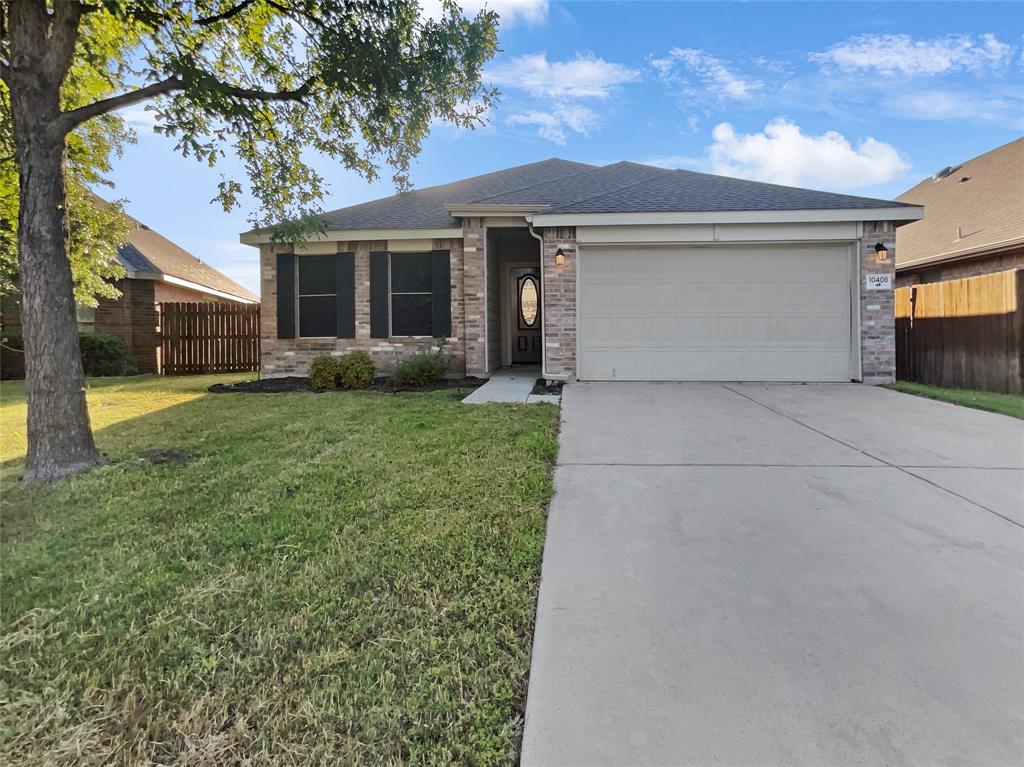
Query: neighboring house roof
x=973, y=208
x=147, y=254
x=560, y=186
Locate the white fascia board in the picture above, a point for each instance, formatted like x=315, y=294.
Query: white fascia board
x=345, y=235
x=203, y=289
x=912, y=213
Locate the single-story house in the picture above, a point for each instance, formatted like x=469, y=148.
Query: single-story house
x=157, y=271
x=619, y=272
x=975, y=221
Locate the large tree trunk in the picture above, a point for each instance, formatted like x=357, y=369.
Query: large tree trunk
x=59, y=437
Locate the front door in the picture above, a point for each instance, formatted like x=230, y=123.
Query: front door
x=526, y=338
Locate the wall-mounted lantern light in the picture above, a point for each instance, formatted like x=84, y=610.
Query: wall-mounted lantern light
x=881, y=252
x=559, y=257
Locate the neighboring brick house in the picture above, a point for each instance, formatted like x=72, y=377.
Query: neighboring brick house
x=975, y=222
x=157, y=271
x=620, y=272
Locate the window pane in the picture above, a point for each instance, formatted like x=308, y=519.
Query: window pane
x=528, y=302
x=316, y=274
x=318, y=316
x=411, y=315
x=410, y=272
x=85, y=314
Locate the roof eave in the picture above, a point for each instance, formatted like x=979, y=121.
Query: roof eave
x=977, y=251
x=897, y=214
x=257, y=238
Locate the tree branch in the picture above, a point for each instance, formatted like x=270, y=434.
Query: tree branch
x=251, y=94
x=224, y=16
x=70, y=120
x=64, y=22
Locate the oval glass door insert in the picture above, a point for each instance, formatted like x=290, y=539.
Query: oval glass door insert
x=528, y=295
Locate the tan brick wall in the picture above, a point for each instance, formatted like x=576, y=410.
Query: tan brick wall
x=291, y=356
x=559, y=302
x=877, y=310
x=474, y=296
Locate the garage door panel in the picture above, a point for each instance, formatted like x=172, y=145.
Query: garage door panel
x=715, y=313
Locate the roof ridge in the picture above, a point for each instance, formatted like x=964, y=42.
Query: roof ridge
x=590, y=169
x=593, y=169
x=622, y=188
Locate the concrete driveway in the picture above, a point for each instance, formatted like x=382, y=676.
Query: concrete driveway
x=780, y=575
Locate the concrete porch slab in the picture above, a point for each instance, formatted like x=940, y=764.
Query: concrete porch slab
x=505, y=385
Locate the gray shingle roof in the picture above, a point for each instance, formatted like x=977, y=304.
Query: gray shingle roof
x=684, y=191
x=579, y=186
x=572, y=187
x=425, y=208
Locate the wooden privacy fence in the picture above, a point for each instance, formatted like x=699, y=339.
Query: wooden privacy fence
x=963, y=333
x=209, y=338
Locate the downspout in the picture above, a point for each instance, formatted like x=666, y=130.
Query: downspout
x=543, y=313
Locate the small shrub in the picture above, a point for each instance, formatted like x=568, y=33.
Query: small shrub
x=356, y=370
x=323, y=372
x=103, y=354
x=421, y=370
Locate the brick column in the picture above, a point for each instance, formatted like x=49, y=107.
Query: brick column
x=475, y=296
x=877, y=310
x=560, y=302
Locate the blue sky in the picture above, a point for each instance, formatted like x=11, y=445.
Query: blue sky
x=864, y=98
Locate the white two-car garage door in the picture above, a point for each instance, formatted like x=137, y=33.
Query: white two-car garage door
x=715, y=313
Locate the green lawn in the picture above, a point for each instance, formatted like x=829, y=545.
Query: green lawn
x=327, y=578
x=1007, y=404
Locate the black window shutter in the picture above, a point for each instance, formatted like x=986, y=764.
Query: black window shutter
x=441, y=287
x=379, y=295
x=345, y=287
x=285, y=295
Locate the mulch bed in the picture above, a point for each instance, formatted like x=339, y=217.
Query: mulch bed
x=301, y=383
x=555, y=387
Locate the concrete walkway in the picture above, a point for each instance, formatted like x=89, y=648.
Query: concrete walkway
x=505, y=385
x=779, y=575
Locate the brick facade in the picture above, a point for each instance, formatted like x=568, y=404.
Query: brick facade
x=559, y=284
x=468, y=344
x=291, y=356
x=877, y=310
x=475, y=296
x=958, y=270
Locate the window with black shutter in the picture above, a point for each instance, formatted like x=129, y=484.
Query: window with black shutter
x=412, y=294
x=318, y=312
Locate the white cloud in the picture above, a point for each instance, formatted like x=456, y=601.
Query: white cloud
x=510, y=12
x=714, y=74
x=139, y=117
x=558, y=122
x=1005, y=107
x=585, y=76
x=903, y=55
x=675, y=161
x=784, y=154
